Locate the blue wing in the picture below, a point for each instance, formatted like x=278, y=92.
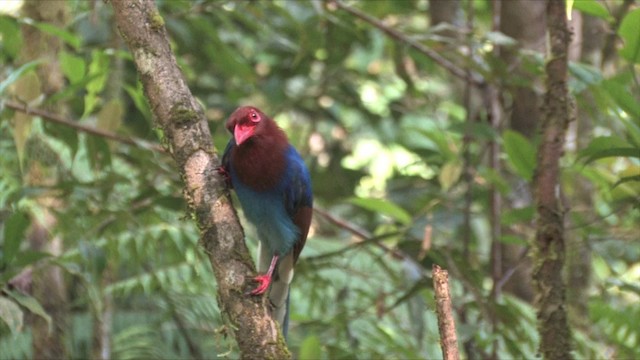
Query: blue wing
x=282, y=217
x=298, y=188
x=298, y=197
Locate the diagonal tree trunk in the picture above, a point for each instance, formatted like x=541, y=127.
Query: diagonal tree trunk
x=187, y=134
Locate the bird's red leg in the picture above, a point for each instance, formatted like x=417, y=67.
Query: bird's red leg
x=264, y=280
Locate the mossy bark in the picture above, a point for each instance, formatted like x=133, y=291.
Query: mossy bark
x=549, y=246
x=187, y=135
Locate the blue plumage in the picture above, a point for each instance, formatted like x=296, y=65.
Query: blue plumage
x=274, y=189
x=272, y=211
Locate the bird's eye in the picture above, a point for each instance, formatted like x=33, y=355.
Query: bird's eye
x=254, y=116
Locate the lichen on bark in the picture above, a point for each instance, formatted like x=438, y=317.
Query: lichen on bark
x=187, y=133
x=549, y=248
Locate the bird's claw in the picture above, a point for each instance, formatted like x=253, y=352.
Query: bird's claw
x=225, y=175
x=263, y=284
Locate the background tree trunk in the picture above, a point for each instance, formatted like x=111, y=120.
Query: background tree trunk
x=48, y=281
x=445, y=11
x=525, y=22
x=549, y=256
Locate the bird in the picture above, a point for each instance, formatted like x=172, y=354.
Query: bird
x=273, y=186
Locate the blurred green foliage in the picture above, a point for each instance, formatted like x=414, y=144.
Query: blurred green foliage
x=383, y=129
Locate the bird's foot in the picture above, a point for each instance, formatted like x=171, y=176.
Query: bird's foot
x=263, y=284
x=225, y=175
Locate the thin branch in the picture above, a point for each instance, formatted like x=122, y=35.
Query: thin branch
x=609, y=48
x=366, y=238
x=473, y=78
x=467, y=173
x=506, y=275
x=359, y=244
x=483, y=304
x=352, y=228
x=495, y=113
x=364, y=235
x=58, y=119
x=446, y=322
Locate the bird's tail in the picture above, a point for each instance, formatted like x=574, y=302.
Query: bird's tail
x=279, y=292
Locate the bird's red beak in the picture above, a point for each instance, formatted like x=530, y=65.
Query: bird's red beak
x=242, y=132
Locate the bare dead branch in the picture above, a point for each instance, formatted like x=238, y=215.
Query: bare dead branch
x=446, y=323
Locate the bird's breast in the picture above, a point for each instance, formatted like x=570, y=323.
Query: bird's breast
x=258, y=166
x=266, y=211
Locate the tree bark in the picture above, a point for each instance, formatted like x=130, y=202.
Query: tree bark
x=555, y=335
x=48, y=284
x=188, y=138
x=446, y=323
x=525, y=22
x=444, y=11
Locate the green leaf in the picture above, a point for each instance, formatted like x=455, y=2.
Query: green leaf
x=623, y=96
x=174, y=203
x=73, y=67
x=633, y=130
x=11, y=36
x=32, y=304
x=495, y=178
x=441, y=141
x=520, y=153
x=138, y=342
x=99, y=152
x=14, y=229
x=139, y=100
x=614, y=152
x=65, y=133
x=98, y=70
x=15, y=75
x=602, y=143
x=28, y=88
x=515, y=216
x=383, y=207
x=21, y=260
x=28, y=257
x=607, y=146
x=311, y=348
x=629, y=31
x=11, y=314
x=498, y=38
x=228, y=59
x=627, y=179
x=449, y=174
x=479, y=130
x=593, y=8
x=568, y=7
x=111, y=115
x=600, y=268
x=512, y=239
x=585, y=74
